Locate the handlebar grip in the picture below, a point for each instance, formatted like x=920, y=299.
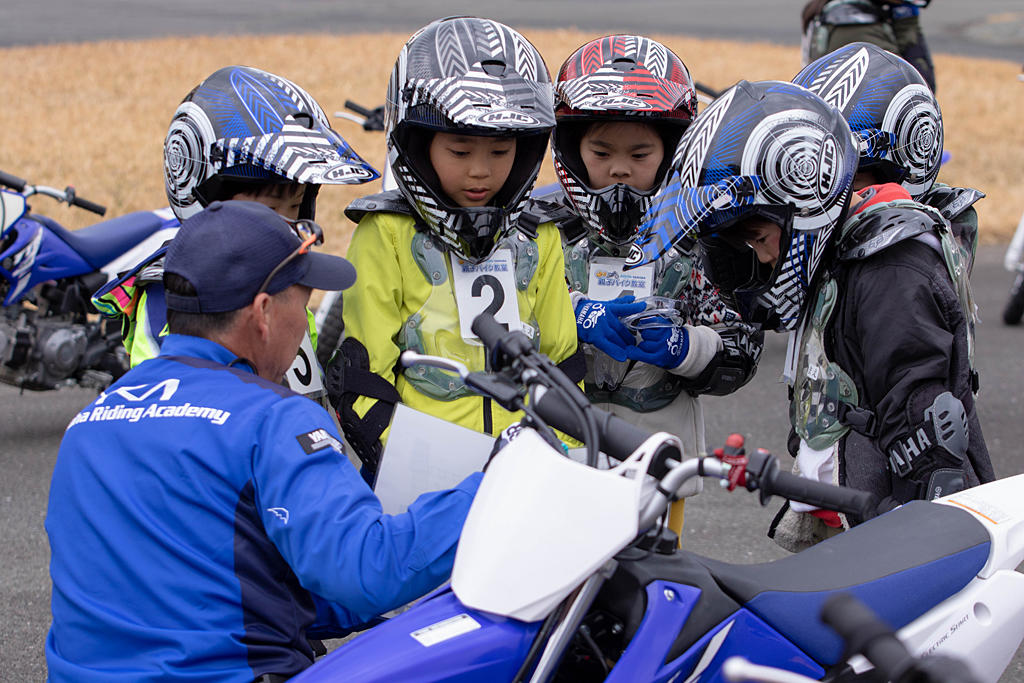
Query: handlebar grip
x=865, y=633
x=13, y=181
x=97, y=209
x=618, y=437
x=491, y=332
x=706, y=89
x=827, y=496
x=359, y=109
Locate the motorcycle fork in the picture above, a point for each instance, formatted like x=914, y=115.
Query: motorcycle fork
x=565, y=630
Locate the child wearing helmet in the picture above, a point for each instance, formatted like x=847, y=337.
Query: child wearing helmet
x=872, y=287
x=468, y=114
x=897, y=118
x=216, y=148
x=655, y=337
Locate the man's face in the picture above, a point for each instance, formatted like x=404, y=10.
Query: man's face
x=622, y=152
x=471, y=168
x=288, y=324
x=763, y=236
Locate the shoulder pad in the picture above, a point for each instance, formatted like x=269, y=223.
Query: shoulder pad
x=391, y=201
x=884, y=225
x=551, y=207
x=951, y=201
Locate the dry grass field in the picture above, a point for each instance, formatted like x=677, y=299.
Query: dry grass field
x=94, y=115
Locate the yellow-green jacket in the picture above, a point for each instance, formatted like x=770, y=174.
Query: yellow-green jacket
x=404, y=297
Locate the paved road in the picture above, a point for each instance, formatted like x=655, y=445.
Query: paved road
x=989, y=28
x=725, y=526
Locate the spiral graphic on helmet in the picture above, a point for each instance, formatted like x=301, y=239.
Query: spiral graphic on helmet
x=798, y=161
x=186, y=157
x=913, y=117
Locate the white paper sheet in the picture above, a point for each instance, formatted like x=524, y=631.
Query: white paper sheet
x=424, y=453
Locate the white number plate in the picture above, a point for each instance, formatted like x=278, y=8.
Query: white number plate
x=489, y=286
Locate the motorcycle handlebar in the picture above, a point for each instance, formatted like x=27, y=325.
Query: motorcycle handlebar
x=866, y=634
x=618, y=438
x=826, y=496
x=74, y=200
x=357, y=108
x=13, y=181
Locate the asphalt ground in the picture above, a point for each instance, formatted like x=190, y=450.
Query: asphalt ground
x=981, y=28
x=726, y=526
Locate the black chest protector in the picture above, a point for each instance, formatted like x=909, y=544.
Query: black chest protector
x=825, y=402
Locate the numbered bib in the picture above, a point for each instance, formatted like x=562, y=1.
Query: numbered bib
x=609, y=281
x=489, y=286
x=304, y=376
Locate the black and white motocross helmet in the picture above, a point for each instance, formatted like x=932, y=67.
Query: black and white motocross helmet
x=245, y=126
x=617, y=78
x=469, y=76
x=889, y=106
x=770, y=149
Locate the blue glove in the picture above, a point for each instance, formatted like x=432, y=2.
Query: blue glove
x=665, y=347
x=597, y=323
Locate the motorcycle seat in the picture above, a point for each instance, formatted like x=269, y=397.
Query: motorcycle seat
x=102, y=242
x=900, y=564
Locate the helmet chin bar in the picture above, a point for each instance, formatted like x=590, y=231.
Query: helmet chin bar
x=620, y=208
x=477, y=230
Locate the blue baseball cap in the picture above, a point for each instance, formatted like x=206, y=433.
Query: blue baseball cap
x=227, y=251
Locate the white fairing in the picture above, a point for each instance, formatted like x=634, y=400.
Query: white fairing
x=983, y=624
x=540, y=524
x=144, y=248
x=12, y=207
x=1000, y=507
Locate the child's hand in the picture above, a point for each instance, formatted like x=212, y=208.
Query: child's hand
x=665, y=347
x=597, y=323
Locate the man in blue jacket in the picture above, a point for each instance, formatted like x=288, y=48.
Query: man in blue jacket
x=203, y=519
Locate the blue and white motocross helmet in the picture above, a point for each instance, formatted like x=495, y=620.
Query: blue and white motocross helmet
x=243, y=125
x=888, y=106
x=770, y=149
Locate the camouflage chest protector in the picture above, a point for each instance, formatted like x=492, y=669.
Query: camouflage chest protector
x=825, y=400
x=671, y=274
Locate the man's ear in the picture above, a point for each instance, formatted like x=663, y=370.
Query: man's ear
x=260, y=309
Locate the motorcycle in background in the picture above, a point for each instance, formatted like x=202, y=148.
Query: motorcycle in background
x=50, y=334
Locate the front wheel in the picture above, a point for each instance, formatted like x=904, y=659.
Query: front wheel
x=1015, y=306
x=329, y=335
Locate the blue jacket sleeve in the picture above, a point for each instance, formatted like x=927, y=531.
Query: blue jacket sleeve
x=329, y=526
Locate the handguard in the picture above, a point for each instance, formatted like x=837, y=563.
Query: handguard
x=933, y=453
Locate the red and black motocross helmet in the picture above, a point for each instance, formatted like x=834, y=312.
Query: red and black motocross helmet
x=617, y=78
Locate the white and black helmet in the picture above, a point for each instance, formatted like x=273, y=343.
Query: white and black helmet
x=474, y=77
x=889, y=106
x=241, y=126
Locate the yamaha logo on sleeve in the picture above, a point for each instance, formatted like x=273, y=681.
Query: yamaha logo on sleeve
x=317, y=440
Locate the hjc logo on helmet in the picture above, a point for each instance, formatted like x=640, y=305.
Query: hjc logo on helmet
x=828, y=171
x=344, y=171
x=507, y=116
x=613, y=102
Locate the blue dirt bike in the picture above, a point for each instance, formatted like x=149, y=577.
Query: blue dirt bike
x=565, y=572
x=50, y=334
